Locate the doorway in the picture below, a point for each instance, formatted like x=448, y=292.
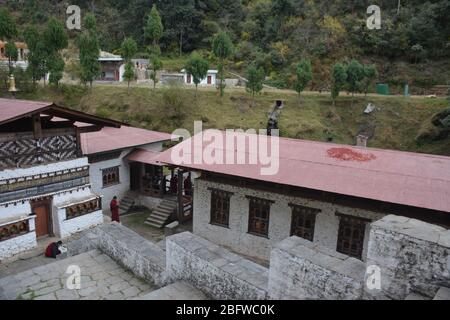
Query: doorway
x=41, y=208
x=135, y=176
x=209, y=80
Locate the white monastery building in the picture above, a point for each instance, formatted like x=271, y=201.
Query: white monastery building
x=45, y=185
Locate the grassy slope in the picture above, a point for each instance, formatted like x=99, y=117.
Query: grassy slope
x=397, y=120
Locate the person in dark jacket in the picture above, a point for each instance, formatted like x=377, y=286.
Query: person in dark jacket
x=52, y=250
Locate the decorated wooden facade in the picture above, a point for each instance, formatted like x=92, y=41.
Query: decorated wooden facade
x=83, y=208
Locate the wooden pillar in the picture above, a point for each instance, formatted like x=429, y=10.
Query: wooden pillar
x=180, y=196
x=162, y=182
x=37, y=128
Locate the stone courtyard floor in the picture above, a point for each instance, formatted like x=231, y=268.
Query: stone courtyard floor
x=101, y=279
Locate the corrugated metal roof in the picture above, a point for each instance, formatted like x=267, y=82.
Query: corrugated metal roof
x=404, y=178
x=109, y=139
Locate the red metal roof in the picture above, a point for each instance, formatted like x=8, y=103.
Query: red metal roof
x=145, y=156
x=12, y=108
x=109, y=139
x=405, y=178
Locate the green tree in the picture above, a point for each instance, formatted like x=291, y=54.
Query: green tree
x=128, y=49
x=129, y=73
x=38, y=54
x=56, y=68
x=8, y=27
x=355, y=74
x=89, y=48
x=55, y=36
x=156, y=65
x=303, y=76
x=255, y=78
x=11, y=53
x=339, y=75
x=198, y=68
x=55, y=39
x=370, y=74
x=154, y=28
x=222, y=50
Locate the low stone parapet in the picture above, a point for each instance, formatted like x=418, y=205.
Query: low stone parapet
x=414, y=257
x=300, y=269
x=214, y=270
x=145, y=259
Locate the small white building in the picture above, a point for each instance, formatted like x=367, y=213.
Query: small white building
x=45, y=187
x=109, y=150
x=209, y=81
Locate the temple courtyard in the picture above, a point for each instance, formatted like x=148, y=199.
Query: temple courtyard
x=101, y=279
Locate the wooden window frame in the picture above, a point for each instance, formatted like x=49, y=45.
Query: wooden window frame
x=225, y=198
x=353, y=223
x=307, y=214
x=112, y=170
x=262, y=205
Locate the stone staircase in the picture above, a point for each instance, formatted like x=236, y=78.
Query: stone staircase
x=126, y=203
x=161, y=215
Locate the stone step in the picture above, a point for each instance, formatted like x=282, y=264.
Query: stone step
x=160, y=215
x=155, y=219
x=159, y=226
x=163, y=211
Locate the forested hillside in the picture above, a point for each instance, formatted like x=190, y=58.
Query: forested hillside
x=412, y=46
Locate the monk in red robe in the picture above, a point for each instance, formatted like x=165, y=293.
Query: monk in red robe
x=114, y=206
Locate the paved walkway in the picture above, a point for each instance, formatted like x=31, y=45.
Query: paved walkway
x=101, y=279
x=179, y=290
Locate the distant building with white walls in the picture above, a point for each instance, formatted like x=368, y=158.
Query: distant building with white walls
x=209, y=80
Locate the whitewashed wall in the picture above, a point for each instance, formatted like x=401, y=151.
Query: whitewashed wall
x=204, y=81
x=19, y=244
x=42, y=169
x=123, y=187
x=64, y=228
x=237, y=237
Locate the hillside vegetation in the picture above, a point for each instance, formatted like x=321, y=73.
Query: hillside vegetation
x=395, y=124
x=412, y=46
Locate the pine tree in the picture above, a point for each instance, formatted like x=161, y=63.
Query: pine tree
x=156, y=65
x=89, y=50
x=55, y=39
x=129, y=73
x=355, y=74
x=222, y=50
x=154, y=28
x=304, y=76
x=339, y=74
x=255, y=78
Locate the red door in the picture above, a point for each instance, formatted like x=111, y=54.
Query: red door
x=209, y=79
x=42, y=211
x=189, y=79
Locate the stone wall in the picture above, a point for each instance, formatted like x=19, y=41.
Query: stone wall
x=237, y=237
x=414, y=257
x=145, y=259
x=300, y=269
x=214, y=270
x=16, y=245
